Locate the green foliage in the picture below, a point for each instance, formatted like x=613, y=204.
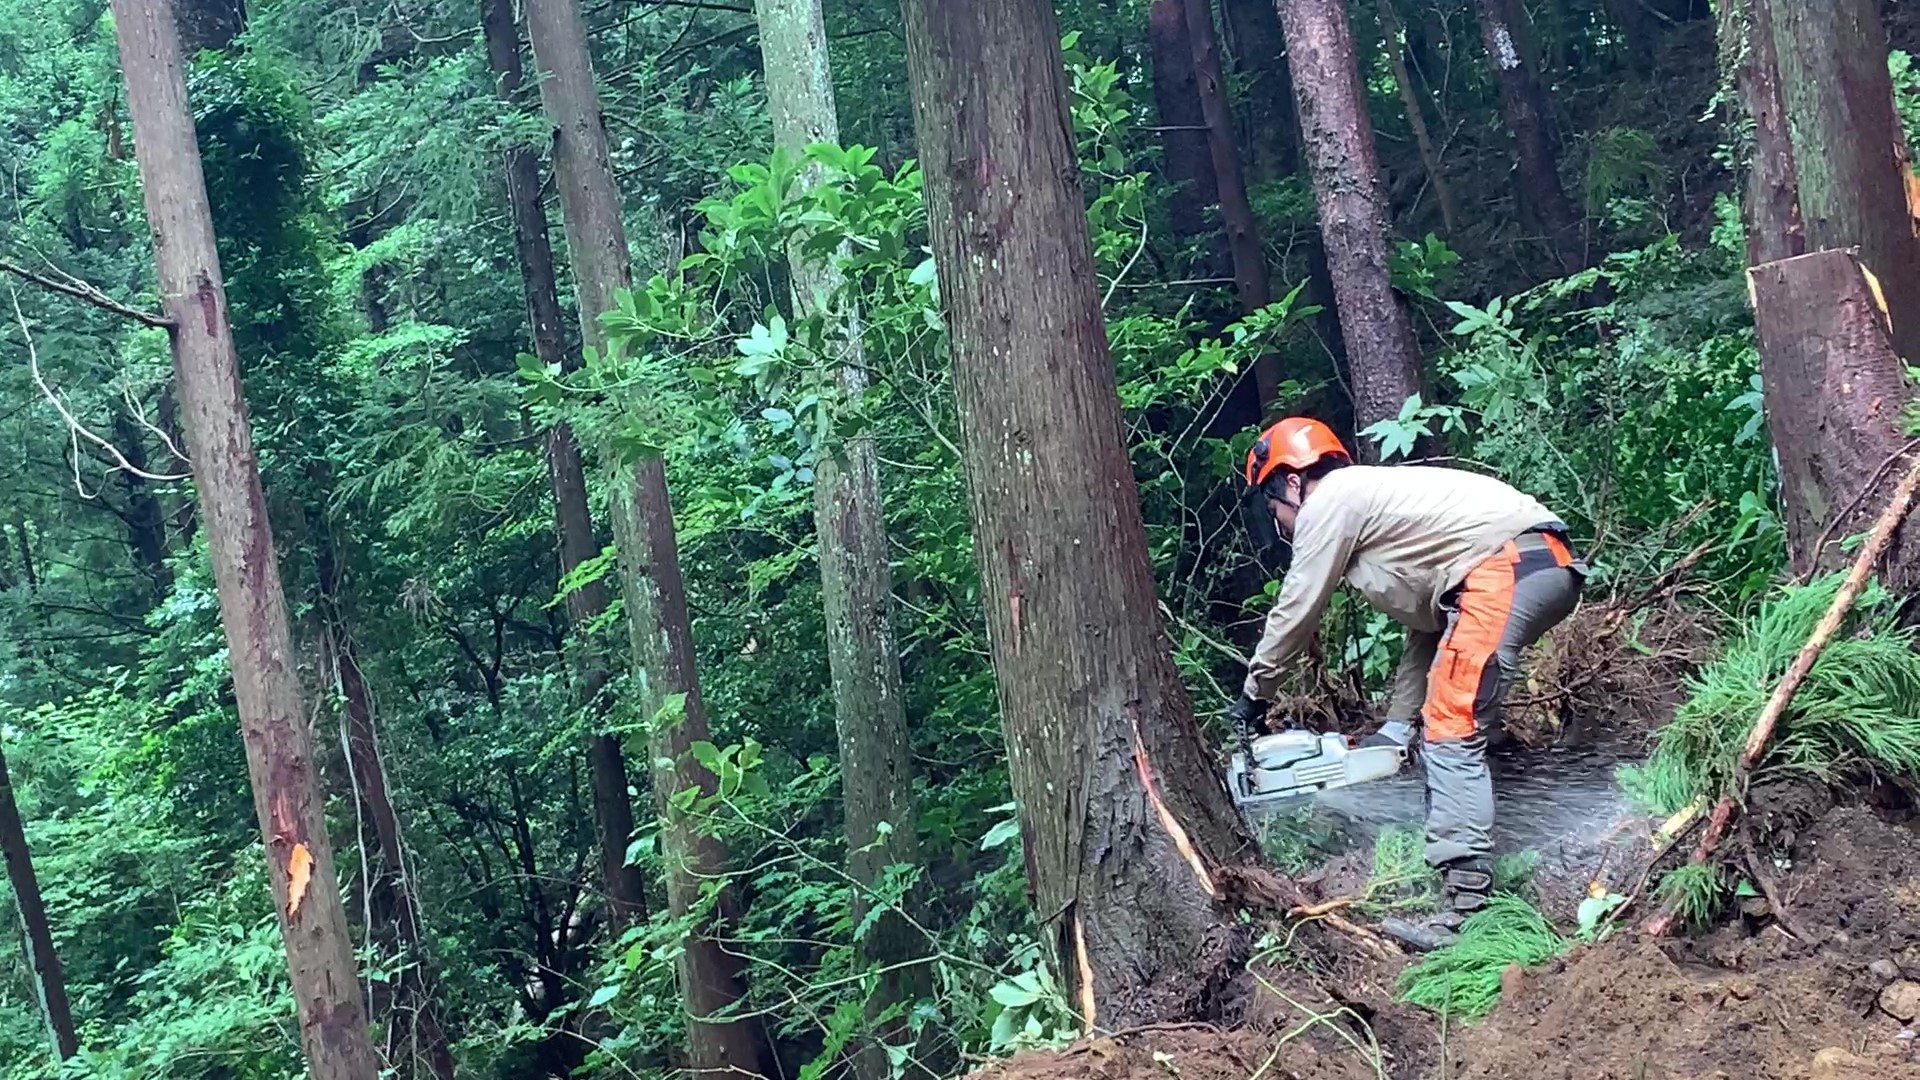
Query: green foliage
x=1463, y=979
x=1859, y=706
x=1695, y=893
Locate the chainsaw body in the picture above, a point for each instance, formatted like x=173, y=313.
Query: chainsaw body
x=1291, y=764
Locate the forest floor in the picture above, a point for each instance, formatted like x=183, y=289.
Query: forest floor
x=1744, y=1001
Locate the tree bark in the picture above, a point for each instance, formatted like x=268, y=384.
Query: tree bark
x=1524, y=107
x=1383, y=360
x=712, y=979
x=856, y=583
x=1125, y=821
x=1417, y=118
x=1259, y=52
x=575, y=538
x=1834, y=393
x=43, y=963
x=1849, y=156
x=1772, y=203
x=1185, y=158
x=286, y=792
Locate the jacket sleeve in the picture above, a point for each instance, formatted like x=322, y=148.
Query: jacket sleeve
x=1324, y=538
x=1409, y=692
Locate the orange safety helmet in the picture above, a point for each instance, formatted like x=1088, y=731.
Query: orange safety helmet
x=1296, y=443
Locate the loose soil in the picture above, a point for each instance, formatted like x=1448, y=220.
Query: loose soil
x=1747, y=1001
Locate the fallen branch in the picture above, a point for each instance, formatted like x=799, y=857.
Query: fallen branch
x=86, y=293
x=1776, y=707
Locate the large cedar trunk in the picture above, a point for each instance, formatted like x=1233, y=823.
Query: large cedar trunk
x=1383, y=359
x=1185, y=158
x=1849, y=155
x=1126, y=823
x=1523, y=105
x=713, y=980
x=1259, y=54
x=575, y=539
x=1772, y=203
x=856, y=584
x=43, y=964
x=1834, y=394
x=273, y=718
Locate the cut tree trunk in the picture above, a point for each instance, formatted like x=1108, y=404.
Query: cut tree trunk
x=43, y=963
x=1834, y=394
x=1185, y=158
x=286, y=792
x=1259, y=53
x=1849, y=156
x=1126, y=824
x=1383, y=359
x=1417, y=118
x=575, y=538
x=712, y=979
x=1524, y=107
x=856, y=583
x=1772, y=203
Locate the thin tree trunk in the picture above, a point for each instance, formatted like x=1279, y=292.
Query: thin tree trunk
x=146, y=522
x=1125, y=821
x=286, y=793
x=1251, y=283
x=1259, y=52
x=856, y=584
x=1523, y=105
x=713, y=980
x=1772, y=204
x=43, y=963
x=416, y=1031
x=1417, y=118
x=574, y=533
x=1185, y=158
x=24, y=541
x=1850, y=158
x=1383, y=360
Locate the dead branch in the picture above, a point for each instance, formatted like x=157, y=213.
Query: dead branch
x=1776, y=707
x=86, y=293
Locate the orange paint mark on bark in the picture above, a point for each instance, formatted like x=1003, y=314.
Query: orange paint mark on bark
x=1175, y=830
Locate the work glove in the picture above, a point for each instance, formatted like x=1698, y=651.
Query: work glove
x=1393, y=733
x=1247, y=715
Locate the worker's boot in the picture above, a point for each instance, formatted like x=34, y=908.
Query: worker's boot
x=1468, y=882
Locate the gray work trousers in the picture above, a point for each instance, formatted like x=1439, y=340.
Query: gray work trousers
x=1502, y=607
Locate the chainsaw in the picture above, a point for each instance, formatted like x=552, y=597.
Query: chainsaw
x=1291, y=764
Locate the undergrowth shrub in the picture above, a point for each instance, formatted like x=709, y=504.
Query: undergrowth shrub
x=1463, y=979
x=1859, y=707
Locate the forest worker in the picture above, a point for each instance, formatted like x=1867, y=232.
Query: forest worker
x=1474, y=569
